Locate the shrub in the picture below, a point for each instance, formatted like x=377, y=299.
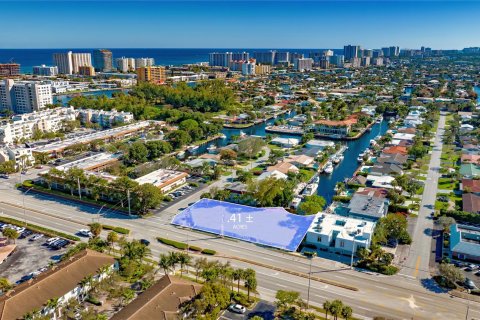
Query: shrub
x=35, y=228
x=195, y=248
x=388, y=270
x=193, y=184
x=173, y=243
x=93, y=301
x=209, y=252
x=343, y=199
x=116, y=229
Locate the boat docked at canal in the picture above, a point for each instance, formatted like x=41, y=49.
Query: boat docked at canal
x=310, y=189
x=212, y=149
x=328, y=168
x=379, y=119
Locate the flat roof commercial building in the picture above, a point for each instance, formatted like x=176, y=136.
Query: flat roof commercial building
x=465, y=242
x=339, y=234
x=155, y=74
x=164, y=179
x=9, y=69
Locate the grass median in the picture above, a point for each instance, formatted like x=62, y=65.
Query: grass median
x=39, y=229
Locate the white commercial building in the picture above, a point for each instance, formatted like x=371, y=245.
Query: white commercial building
x=47, y=71
x=165, y=180
x=24, y=96
x=125, y=64
x=105, y=118
x=338, y=234
x=24, y=125
x=248, y=68
x=81, y=60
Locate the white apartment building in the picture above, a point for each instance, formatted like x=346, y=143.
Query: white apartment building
x=81, y=60
x=125, y=64
x=248, y=68
x=64, y=62
x=24, y=125
x=105, y=118
x=47, y=71
x=24, y=96
x=69, y=62
x=144, y=62
x=304, y=64
x=338, y=234
x=22, y=157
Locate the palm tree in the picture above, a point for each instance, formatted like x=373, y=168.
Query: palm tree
x=165, y=263
x=53, y=304
x=199, y=264
x=326, y=307
x=347, y=312
x=184, y=260
x=11, y=234
x=250, y=281
x=174, y=259
x=336, y=308
x=96, y=229
x=112, y=237
x=238, y=276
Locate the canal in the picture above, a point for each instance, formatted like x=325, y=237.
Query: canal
x=347, y=167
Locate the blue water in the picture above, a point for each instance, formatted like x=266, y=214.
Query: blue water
x=477, y=90
x=33, y=57
x=347, y=167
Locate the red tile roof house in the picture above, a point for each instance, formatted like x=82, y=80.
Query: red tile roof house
x=471, y=203
x=470, y=185
x=470, y=158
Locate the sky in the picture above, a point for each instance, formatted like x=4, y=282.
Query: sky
x=239, y=24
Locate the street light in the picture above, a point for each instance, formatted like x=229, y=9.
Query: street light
x=353, y=252
x=309, y=278
x=24, y=210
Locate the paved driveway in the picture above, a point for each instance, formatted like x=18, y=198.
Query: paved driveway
x=263, y=309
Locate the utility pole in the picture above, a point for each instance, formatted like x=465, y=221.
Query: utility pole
x=353, y=252
x=128, y=197
x=79, y=190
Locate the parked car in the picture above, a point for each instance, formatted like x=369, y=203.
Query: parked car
x=36, y=237
x=237, y=308
x=51, y=240
x=4, y=176
x=468, y=269
x=145, y=242
x=477, y=273
x=25, y=234
x=469, y=284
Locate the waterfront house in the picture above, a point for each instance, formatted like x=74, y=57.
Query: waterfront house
x=319, y=144
x=471, y=202
x=381, y=169
x=397, y=159
x=284, y=167
x=335, y=128
x=367, y=207
x=373, y=192
x=395, y=150
x=272, y=174
x=380, y=181
x=301, y=160
x=339, y=234
x=465, y=243
x=62, y=281
x=358, y=180
x=285, y=142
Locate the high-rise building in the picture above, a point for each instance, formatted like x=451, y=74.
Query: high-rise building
x=367, y=53
x=144, y=62
x=240, y=56
x=24, y=96
x=81, y=60
x=220, y=59
x=377, y=53
x=155, y=74
x=265, y=57
x=63, y=61
x=43, y=70
x=365, y=61
x=328, y=53
x=377, y=61
x=103, y=60
x=125, y=64
x=356, y=62
x=325, y=63
x=262, y=69
x=248, y=67
x=282, y=57
x=295, y=56
x=391, y=52
x=351, y=52
x=9, y=69
x=88, y=71
x=304, y=64
x=337, y=60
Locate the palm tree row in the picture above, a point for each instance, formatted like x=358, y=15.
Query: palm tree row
x=336, y=308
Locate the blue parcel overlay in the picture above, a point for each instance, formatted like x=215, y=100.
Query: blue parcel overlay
x=273, y=227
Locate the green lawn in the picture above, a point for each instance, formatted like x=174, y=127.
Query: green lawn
x=446, y=183
x=439, y=205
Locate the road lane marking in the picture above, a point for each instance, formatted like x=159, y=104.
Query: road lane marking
x=417, y=266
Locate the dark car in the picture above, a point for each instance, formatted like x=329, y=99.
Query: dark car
x=145, y=242
x=469, y=284
x=25, y=234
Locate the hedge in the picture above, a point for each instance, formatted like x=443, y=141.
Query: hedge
x=394, y=208
x=209, y=252
x=35, y=228
x=173, y=243
x=183, y=246
x=462, y=216
x=343, y=199
x=116, y=229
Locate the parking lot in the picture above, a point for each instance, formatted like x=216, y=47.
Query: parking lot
x=262, y=308
x=29, y=257
x=470, y=271
x=180, y=193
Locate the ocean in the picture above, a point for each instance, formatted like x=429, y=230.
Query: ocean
x=34, y=57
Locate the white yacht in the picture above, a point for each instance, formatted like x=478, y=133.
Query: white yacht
x=212, y=148
x=329, y=168
x=310, y=189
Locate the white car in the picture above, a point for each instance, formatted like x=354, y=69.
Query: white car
x=51, y=240
x=85, y=233
x=237, y=308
